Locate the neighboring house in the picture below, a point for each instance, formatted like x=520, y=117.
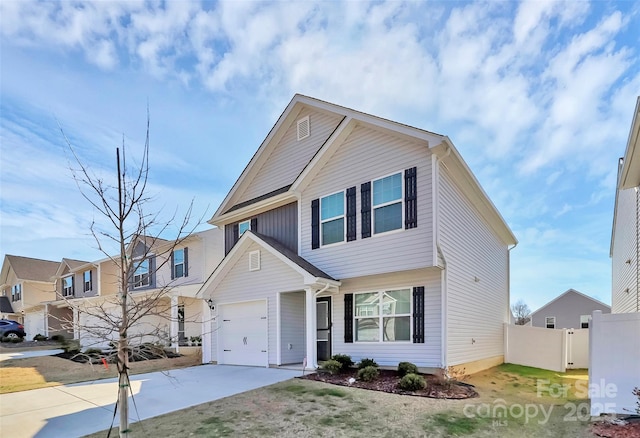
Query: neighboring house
x=170, y=275
x=625, y=236
x=348, y=233
x=28, y=283
x=571, y=310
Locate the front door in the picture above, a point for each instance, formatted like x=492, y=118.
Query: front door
x=323, y=327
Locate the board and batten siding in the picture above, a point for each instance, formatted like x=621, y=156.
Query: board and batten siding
x=280, y=223
x=240, y=284
x=477, y=278
x=290, y=156
x=365, y=155
x=292, y=327
x=624, y=285
x=426, y=355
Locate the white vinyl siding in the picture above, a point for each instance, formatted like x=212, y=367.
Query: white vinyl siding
x=292, y=328
x=624, y=282
x=477, y=278
x=290, y=156
x=365, y=155
x=390, y=354
x=240, y=284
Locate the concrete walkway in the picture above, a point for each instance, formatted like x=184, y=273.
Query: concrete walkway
x=83, y=408
x=25, y=354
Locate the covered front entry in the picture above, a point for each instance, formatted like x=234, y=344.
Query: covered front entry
x=323, y=327
x=243, y=333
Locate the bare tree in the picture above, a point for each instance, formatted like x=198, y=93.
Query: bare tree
x=521, y=312
x=136, y=233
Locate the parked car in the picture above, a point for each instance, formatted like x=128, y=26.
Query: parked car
x=11, y=329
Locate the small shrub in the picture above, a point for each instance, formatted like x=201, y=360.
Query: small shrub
x=405, y=368
x=367, y=363
x=57, y=338
x=71, y=346
x=344, y=359
x=636, y=392
x=16, y=340
x=40, y=337
x=93, y=352
x=368, y=373
x=5, y=339
x=333, y=366
x=412, y=382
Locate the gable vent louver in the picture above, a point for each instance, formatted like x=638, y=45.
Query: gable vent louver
x=254, y=261
x=303, y=128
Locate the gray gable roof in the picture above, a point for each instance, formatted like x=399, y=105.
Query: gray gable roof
x=5, y=305
x=27, y=268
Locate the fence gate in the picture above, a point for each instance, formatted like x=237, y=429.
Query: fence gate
x=577, y=348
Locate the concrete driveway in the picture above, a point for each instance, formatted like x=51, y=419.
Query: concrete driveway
x=83, y=408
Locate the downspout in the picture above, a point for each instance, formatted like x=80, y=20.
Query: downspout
x=438, y=250
x=637, y=250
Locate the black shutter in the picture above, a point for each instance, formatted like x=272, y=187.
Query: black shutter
x=351, y=214
x=254, y=224
x=348, y=318
x=365, y=209
x=152, y=272
x=73, y=285
x=90, y=280
x=186, y=262
x=418, y=315
x=173, y=264
x=235, y=234
x=315, y=224
x=410, y=199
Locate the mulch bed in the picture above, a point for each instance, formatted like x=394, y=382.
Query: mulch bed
x=608, y=429
x=388, y=380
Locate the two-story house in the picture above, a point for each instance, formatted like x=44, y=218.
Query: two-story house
x=28, y=283
x=349, y=233
x=625, y=236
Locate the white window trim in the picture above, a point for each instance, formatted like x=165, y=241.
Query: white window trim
x=136, y=264
x=374, y=207
x=381, y=317
x=343, y=216
x=64, y=289
x=587, y=321
x=248, y=224
x=549, y=317
x=178, y=264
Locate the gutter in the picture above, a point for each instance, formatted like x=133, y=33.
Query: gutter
x=438, y=250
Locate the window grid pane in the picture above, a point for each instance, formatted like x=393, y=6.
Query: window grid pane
x=383, y=314
x=332, y=206
x=387, y=189
x=388, y=218
x=242, y=227
x=368, y=329
x=333, y=231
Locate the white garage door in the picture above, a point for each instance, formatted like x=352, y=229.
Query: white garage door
x=34, y=324
x=244, y=333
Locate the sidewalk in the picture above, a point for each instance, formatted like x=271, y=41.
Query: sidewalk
x=83, y=408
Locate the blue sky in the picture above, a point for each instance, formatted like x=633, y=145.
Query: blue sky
x=537, y=96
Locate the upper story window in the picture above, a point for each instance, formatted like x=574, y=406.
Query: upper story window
x=16, y=292
x=383, y=316
x=141, y=275
x=550, y=322
x=179, y=263
x=87, y=280
x=67, y=286
x=387, y=203
x=332, y=218
x=243, y=226
x=584, y=321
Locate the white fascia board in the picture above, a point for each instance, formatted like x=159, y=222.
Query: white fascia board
x=630, y=175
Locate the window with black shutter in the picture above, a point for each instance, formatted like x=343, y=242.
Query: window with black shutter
x=315, y=224
x=418, y=315
x=348, y=318
x=410, y=199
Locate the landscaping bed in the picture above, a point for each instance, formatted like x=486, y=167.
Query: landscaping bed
x=136, y=354
x=388, y=380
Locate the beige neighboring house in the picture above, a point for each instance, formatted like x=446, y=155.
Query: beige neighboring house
x=28, y=283
x=625, y=236
x=175, y=275
x=570, y=310
x=349, y=233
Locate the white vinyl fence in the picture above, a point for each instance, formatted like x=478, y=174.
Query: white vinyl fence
x=550, y=349
x=614, y=362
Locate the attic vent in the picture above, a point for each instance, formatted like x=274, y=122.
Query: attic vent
x=254, y=260
x=303, y=128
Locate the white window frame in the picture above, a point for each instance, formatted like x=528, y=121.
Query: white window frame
x=87, y=283
x=381, y=316
x=140, y=281
x=244, y=224
x=587, y=317
x=175, y=265
x=546, y=322
x=16, y=292
x=67, y=291
x=401, y=202
x=333, y=218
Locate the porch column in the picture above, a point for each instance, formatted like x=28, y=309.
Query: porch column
x=206, y=332
x=76, y=324
x=310, y=321
x=174, y=323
